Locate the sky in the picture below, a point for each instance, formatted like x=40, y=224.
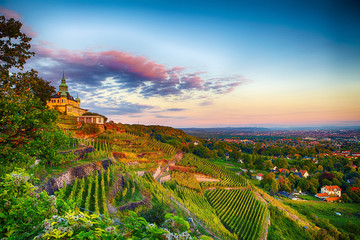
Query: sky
x=201, y=63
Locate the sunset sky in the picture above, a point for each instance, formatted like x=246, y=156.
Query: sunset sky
x=201, y=63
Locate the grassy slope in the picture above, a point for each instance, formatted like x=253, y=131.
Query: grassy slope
x=282, y=227
x=323, y=210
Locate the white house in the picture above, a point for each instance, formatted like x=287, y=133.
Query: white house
x=259, y=176
x=331, y=190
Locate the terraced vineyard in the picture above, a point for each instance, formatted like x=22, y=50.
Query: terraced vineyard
x=90, y=192
x=228, y=178
x=239, y=211
x=131, y=142
x=198, y=204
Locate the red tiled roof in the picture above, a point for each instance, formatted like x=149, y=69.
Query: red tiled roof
x=260, y=174
x=322, y=194
x=332, y=199
x=303, y=172
x=332, y=188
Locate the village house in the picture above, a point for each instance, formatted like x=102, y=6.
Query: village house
x=259, y=176
x=329, y=193
x=304, y=173
x=283, y=170
x=273, y=169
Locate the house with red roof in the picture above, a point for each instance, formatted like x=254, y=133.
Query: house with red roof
x=304, y=173
x=283, y=170
x=259, y=176
x=331, y=190
x=332, y=199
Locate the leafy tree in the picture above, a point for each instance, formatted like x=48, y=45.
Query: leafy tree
x=14, y=45
x=275, y=186
x=26, y=124
x=268, y=165
x=155, y=215
x=268, y=178
x=90, y=128
x=22, y=206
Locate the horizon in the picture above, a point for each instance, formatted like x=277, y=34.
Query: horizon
x=201, y=64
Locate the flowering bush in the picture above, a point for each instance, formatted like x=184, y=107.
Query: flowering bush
x=78, y=225
x=22, y=206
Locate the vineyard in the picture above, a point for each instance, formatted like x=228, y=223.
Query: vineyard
x=130, y=191
x=227, y=177
x=231, y=214
x=198, y=204
x=90, y=192
x=239, y=211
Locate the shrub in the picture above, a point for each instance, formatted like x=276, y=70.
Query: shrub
x=90, y=128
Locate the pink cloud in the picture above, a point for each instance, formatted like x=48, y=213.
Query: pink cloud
x=134, y=72
x=9, y=13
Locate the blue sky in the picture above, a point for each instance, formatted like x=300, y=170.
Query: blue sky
x=219, y=63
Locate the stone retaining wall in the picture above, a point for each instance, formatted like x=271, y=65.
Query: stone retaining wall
x=54, y=184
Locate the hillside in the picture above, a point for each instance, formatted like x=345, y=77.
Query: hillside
x=145, y=175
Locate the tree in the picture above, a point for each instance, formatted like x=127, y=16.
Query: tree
x=274, y=185
x=268, y=165
x=14, y=45
x=268, y=178
x=27, y=127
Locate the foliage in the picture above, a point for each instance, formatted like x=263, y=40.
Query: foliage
x=90, y=128
x=156, y=214
x=23, y=207
x=324, y=215
x=27, y=126
x=283, y=228
x=14, y=45
x=175, y=223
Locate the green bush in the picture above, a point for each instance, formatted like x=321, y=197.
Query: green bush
x=90, y=128
x=155, y=215
x=23, y=207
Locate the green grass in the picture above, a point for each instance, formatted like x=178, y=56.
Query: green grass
x=283, y=228
x=315, y=210
x=308, y=197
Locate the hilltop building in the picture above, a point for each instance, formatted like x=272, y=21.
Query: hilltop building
x=64, y=102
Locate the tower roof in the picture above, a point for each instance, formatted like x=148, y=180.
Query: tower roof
x=63, y=86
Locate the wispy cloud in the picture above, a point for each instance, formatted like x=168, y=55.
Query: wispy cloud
x=121, y=108
x=9, y=13
x=130, y=73
x=175, y=109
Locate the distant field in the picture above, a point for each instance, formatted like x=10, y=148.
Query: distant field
x=350, y=213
